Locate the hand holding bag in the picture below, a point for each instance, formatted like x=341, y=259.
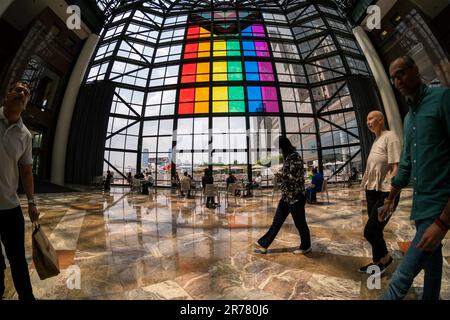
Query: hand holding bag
x=44, y=255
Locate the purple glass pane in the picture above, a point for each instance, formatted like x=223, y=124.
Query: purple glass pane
x=269, y=93
x=257, y=29
x=262, y=54
x=266, y=77
x=271, y=106
x=261, y=46
x=265, y=67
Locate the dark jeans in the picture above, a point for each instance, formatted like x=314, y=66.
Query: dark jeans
x=373, y=231
x=311, y=194
x=12, y=233
x=297, y=211
x=412, y=263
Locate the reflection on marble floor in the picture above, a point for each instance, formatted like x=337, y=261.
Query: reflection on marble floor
x=162, y=246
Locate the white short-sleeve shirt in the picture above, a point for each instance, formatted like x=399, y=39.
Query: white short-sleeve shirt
x=15, y=148
x=385, y=151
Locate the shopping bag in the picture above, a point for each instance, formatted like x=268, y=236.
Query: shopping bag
x=44, y=255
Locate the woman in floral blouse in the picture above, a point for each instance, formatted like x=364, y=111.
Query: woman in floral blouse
x=292, y=199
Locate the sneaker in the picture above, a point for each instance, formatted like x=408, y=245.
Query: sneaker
x=383, y=266
x=260, y=248
x=364, y=268
x=300, y=251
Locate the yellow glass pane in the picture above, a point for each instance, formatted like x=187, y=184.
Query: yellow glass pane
x=220, y=93
x=220, y=67
x=202, y=94
x=220, y=77
x=220, y=46
x=202, y=77
x=203, y=67
x=201, y=107
x=219, y=53
x=220, y=106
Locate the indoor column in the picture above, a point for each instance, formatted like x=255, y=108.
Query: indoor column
x=381, y=78
x=68, y=104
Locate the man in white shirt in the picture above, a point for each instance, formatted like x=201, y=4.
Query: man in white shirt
x=15, y=154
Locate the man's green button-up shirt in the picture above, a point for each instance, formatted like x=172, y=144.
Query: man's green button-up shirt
x=425, y=158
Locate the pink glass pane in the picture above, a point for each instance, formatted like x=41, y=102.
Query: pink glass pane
x=257, y=29
x=262, y=54
x=271, y=106
x=261, y=46
x=269, y=93
x=265, y=67
x=266, y=77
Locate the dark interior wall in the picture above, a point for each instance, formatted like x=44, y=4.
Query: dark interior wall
x=86, y=146
x=391, y=43
x=441, y=24
x=9, y=45
x=47, y=40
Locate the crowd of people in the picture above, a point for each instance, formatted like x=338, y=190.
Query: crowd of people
x=423, y=160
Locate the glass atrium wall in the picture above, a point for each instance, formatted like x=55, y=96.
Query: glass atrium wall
x=214, y=83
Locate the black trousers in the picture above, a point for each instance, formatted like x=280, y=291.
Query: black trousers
x=297, y=211
x=12, y=233
x=373, y=231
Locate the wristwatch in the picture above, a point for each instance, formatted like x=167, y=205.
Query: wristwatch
x=31, y=201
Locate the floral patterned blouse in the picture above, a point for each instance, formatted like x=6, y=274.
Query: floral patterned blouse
x=292, y=178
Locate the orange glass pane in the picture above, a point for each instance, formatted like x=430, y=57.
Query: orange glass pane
x=203, y=67
x=186, y=108
x=204, y=33
x=187, y=95
x=202, y=94
x=202, y=77
x=203, y=71
x=201, y=107
x=203, y=49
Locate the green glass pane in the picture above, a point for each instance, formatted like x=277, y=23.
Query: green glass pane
x=234, y=66
x=236, y=106
x=236, y=93
x=233, y=45
x=235, y=77
x=233, y=53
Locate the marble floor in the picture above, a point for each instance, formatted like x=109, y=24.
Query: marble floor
x=119, y=245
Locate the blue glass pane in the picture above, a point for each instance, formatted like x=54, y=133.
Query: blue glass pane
x=254, y=93
x=251, y=66
x=247, y=31
x=248, y=45
x=255, y=106
x=252, y=76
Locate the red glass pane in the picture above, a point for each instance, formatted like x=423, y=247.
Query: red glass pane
x=187, y=95
x=189, y=69
x=188, y=79
x=193, y=32
x=186, y=108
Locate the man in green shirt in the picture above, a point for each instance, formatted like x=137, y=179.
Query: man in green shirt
x=425, y=162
